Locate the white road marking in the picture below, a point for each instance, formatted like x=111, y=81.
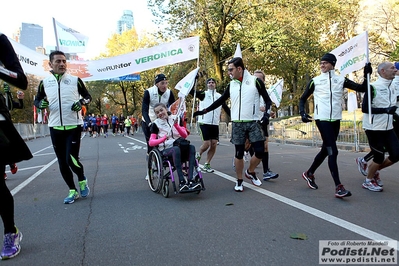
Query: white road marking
x=312, y=211
x=27, y=168
x=31, y=178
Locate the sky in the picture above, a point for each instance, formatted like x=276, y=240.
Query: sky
x=95, y=19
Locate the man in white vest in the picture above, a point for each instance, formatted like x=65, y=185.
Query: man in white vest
x=64, y=95
x=380, y=132
x=209, y=122
x=244, y=91
x=159, y=93
x=327, y=89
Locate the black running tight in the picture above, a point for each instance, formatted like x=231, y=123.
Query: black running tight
x=66, y=144
x=329, y=132
x=6, y=204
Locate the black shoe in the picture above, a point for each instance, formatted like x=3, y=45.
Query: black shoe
x=310, y=180
x=341, y=192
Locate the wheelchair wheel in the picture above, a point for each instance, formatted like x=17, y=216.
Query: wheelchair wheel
x=155, y=170
x=165, y=188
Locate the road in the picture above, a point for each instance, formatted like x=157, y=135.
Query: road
x=123, y=222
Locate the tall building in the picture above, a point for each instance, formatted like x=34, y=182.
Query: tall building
x=126, y=22
x=31, y=35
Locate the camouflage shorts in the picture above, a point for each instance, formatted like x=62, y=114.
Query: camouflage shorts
x=243, y=130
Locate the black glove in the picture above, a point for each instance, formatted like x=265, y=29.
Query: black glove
x=43, y=104
x=392, y=110
x=305, y=117
x=395, y=117
x=265, y=118
x=197, y=113
x=367, y=69
x=77, y=106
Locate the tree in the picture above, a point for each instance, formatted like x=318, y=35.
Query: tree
x=123, y=95
x=215, y=21
x=290, y=40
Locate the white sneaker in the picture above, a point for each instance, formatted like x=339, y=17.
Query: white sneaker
x=362, y=166
x=146, y=177
x=254, y=179
x=371, y=185
x=239, y=188
x=197, y=156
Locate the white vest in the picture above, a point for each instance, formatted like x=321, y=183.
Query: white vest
x=385, y=93
x=212, y=117
x=154, y=99
x=61, y=96
x=328, y=92
x=244, y=98
x=395, y=82
x=164, y=127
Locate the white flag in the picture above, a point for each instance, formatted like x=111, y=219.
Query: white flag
x=352, y=101
x=238, y=51
x=352, y=55
x=276, y=91
x=68, y=39
x=186, y=83
x=39, y=116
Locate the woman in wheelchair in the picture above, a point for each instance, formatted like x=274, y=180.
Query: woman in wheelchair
x=164, y=131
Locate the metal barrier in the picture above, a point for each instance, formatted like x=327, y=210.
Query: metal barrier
x=294, y=131
x=30, y=131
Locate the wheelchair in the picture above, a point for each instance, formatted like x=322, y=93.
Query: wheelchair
x=160, y=174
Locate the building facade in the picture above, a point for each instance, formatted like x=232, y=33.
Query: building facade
x=126, y=22
x=31, y=35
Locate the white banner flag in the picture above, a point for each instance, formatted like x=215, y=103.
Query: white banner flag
x=238, y=51
x=186, y=83
x=352, y=101
x=276, y=91
x=352, y=55
x=68, y=39
x=145, y=59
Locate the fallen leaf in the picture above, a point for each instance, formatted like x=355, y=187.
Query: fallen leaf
x=299, y=236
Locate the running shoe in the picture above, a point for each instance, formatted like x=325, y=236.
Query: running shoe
x=362, y=166
x=72, y=196
x=207, y=168
x=377, y=179
x=14, y=168
x=269, y=175
x=371, y=185
x=198, y=156
x=254, y=179
x=310, y=179
x=341, y=192
x=239, y=185
x=84, y=188
x=11, y=246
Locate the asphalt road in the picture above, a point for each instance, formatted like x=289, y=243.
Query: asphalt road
x=123, y=222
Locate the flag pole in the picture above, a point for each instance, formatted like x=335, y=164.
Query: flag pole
x=368, y=78
x=195, y=93
x=56, y=36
